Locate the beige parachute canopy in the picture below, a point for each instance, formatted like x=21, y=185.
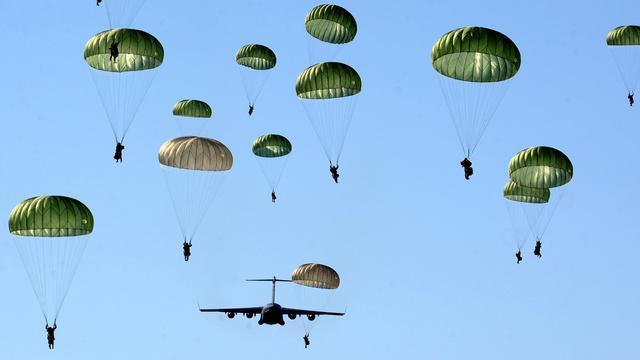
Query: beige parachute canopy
x=195, y=153
x=316, y=275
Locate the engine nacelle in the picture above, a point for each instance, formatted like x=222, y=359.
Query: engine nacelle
x=231, y=315
x=249, y=315
x=311, y=317
x=292, y=316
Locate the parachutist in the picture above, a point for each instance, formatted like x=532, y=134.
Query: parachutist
x=306, y=340
x=630, y=97
x=98, y=2
x=250, y=110
x=118, y=154
x=519, y=256
x=334, y=172
x=186, y=249
x=537, y=249
x=468, y=170
x=114, y=51
x=50, y=334
x=273, y=196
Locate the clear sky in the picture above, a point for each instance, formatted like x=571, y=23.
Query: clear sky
x=425, y=257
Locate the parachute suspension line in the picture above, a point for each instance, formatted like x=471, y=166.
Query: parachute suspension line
x=627, y=59
x=121, y=94
x=330, y=119
x=538, y=221
x=272, y=169
x=51, y=264
x=136, y=107
x=254, y=82
x=319, y=51
x=192, y=192
x=471, y=106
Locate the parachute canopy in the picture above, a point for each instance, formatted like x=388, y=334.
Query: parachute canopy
x=271, y=145
x=515, y=192
x=624, y=36
x=331, y=23
x=327, y=81
x=316, y=275
x=192, y=108
x=195, y=153
x=257, y=57
x=540, y=167
x=50, y=216
x=475, y=54
x=138, y=51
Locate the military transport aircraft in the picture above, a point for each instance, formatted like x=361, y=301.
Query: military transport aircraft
x=272, y=313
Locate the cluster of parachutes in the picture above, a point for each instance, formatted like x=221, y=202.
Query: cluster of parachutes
x=533, y=172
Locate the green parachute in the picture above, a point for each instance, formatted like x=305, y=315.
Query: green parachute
x=533, y=171
x=255, y=61
x=331, y=23
x=474, y=65
x=192, y=108
x=327, y=91
x=624, y=44
x=540, y=167
x=49, y=235
x=271, y=150
x=194, y=168
x=333, y=26
x=123, y=81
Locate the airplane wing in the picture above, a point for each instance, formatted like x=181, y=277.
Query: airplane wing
x=246, y=310
x=287, y=311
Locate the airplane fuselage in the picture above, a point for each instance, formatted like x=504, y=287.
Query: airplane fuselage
x=271, y=314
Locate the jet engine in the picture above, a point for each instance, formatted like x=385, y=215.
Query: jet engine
x=311, y=317
x=231, y=315
x=292, y=316
x=249, y=315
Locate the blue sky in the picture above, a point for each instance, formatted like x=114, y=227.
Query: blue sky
x=425, y=257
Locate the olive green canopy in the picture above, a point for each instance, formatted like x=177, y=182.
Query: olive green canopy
x=50, y=216
x=257, y=57
x=331, y=23
x=137, y=49
x=327, y=81
x=515, y=192
x=624, y=35
x=195, y=153
x=316, y=275
x=540, y=167
x=475, y=54
x=271, y=145
x=192, y=108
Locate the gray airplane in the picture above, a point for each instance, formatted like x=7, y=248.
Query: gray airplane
x=272, y=313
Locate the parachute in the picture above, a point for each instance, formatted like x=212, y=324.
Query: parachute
x=332, y=25
x=194, y=169
x=315, y=280
x=533, y=171
x=271, y=151
x=192, y=113
x=624, y=44
x=540, y=167
x=123, y=83
x=192, y=108
x=327, y=91
x=316, y=276
x=474, y=65
x=255, y=60
x=49, y=233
